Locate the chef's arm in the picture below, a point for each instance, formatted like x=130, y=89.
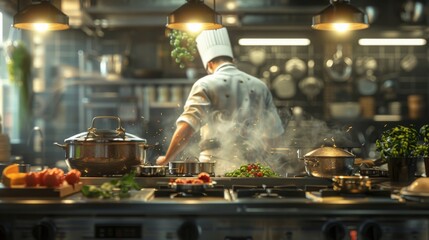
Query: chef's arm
x=179, y=141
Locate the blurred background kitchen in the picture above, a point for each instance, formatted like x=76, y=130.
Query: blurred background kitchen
x=323, y=82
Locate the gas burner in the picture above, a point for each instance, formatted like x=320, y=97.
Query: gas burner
x=371, y=194
x=171, y=193
x=187, y=195
x=285, y=191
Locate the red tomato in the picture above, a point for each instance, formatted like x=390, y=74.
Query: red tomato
x=32, y=179
x=42, y=177
x=205, y=177
x=180, y=181
x=52, y=179
x=60, y=174
x=197, y=181
x=72, y=177
x=260, y=174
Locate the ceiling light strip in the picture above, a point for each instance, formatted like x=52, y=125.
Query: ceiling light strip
x=274, y=41
x=392, y=41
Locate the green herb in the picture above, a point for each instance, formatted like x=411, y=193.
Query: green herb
x=115, y=188
x=252, y=170
x=399, y=141
x=184, y=47
x=424, y=132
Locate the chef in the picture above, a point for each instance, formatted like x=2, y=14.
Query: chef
x=232, y=110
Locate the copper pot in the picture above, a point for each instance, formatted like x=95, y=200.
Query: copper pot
x=327, y=162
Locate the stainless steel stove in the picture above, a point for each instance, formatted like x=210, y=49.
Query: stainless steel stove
x=235, y=209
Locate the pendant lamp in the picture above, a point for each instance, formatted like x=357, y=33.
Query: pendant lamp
x=340, y=15
x=42, y=16
x=194, y=16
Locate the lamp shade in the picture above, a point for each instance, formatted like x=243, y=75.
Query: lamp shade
x=41, y=16
x=340, y=15
x=194, y=14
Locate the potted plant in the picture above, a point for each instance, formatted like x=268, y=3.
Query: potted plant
x=423, y=146
x=398, y=145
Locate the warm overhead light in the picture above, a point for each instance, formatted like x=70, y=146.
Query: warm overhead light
x=194, y=16
x=41, y=16
x=392, y=41
x=274, y=41
x=340, y=16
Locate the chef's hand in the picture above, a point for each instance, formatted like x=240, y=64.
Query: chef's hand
x=161, y=160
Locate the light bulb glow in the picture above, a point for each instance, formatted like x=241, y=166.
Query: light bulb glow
x=341, y=27
x=194, y=27
x=41, y=27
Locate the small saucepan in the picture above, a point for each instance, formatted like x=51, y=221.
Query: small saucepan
x=151, y=171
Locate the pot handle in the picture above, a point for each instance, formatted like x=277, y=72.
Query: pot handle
x=120, y=131
x=63, y=146
x=311, y=162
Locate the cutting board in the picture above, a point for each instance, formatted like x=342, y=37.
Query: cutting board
x=39, y=192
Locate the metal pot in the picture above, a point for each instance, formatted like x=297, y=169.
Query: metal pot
x=112, y=65
x=104, y=152
x=191, y=168
x=152, y=171
x=351, y=184
x=327, y=162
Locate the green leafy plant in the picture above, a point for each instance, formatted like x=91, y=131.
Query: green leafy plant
x=115, y=188
x=184, y=47
x=423, y=147
x=399, y=141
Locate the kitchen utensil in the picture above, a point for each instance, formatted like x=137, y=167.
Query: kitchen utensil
x=151, y=171
x=326, y=162
x=339, y=67
x=284, y=86
x=257, y=56
x=100, y=152
x=295, y=67
x=412, y=11
x=191, y=167
x=344, y=109
x=311, y=85
x=351, y=184
x=367, y=85
x=112, y=65
x=409, y=62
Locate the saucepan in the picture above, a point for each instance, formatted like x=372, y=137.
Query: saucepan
x=326, y=162
x=151, y=171
x=191, y=167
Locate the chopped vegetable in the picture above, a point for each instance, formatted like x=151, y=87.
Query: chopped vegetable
x=115, y=188
x=252, y=170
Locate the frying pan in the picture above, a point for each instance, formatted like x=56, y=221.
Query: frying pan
x=339, y=67
x=295, y=67
x=284, y=86
x=311, y=85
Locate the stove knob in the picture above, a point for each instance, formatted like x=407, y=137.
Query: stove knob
x=334, y=231
x=371, y=231
x=44, y=230
x=189, y=231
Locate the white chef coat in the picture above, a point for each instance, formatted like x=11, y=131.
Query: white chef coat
x=231, y=104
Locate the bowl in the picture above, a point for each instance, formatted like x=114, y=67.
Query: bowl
x=419, y=187
x=345, y=109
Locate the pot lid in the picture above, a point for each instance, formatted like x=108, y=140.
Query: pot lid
x=104, y=136
x=329, y=152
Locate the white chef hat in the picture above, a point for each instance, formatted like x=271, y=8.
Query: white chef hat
x=213, y=43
